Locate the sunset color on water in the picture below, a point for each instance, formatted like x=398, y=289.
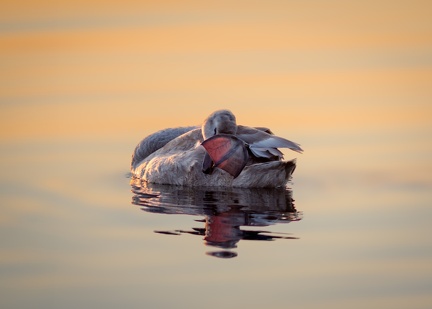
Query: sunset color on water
x=83, y=82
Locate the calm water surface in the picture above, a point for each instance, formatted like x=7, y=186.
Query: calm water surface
x=82, y=83
x=76, y=231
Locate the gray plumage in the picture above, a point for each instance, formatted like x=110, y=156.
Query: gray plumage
x=156, y=141
x=175, y=156
x=263, y=144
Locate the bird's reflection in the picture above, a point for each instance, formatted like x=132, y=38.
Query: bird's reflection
x=225, y=211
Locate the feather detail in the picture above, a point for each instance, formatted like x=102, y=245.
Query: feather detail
x=260, y=152
x=265, y=145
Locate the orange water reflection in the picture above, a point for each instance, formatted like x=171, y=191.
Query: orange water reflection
x=119, y=70
x=81, y=82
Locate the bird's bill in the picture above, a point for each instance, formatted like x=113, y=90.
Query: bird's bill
x=227, y=152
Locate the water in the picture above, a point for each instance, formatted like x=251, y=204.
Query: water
x=80, y=86
x=224, y=210
x=76, y=231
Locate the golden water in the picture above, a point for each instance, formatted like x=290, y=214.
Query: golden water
x=82, y=82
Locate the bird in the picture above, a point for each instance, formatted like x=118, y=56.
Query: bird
x=219, y=153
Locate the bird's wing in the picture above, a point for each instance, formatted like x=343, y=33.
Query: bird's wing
x=260, y=141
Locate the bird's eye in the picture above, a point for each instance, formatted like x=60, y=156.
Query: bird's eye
x=215, y=131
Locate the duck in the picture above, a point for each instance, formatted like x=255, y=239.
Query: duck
x=219, y=153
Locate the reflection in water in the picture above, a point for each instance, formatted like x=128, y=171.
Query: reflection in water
x=225, y=210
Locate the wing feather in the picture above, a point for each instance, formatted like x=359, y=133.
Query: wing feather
x=263, y=144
